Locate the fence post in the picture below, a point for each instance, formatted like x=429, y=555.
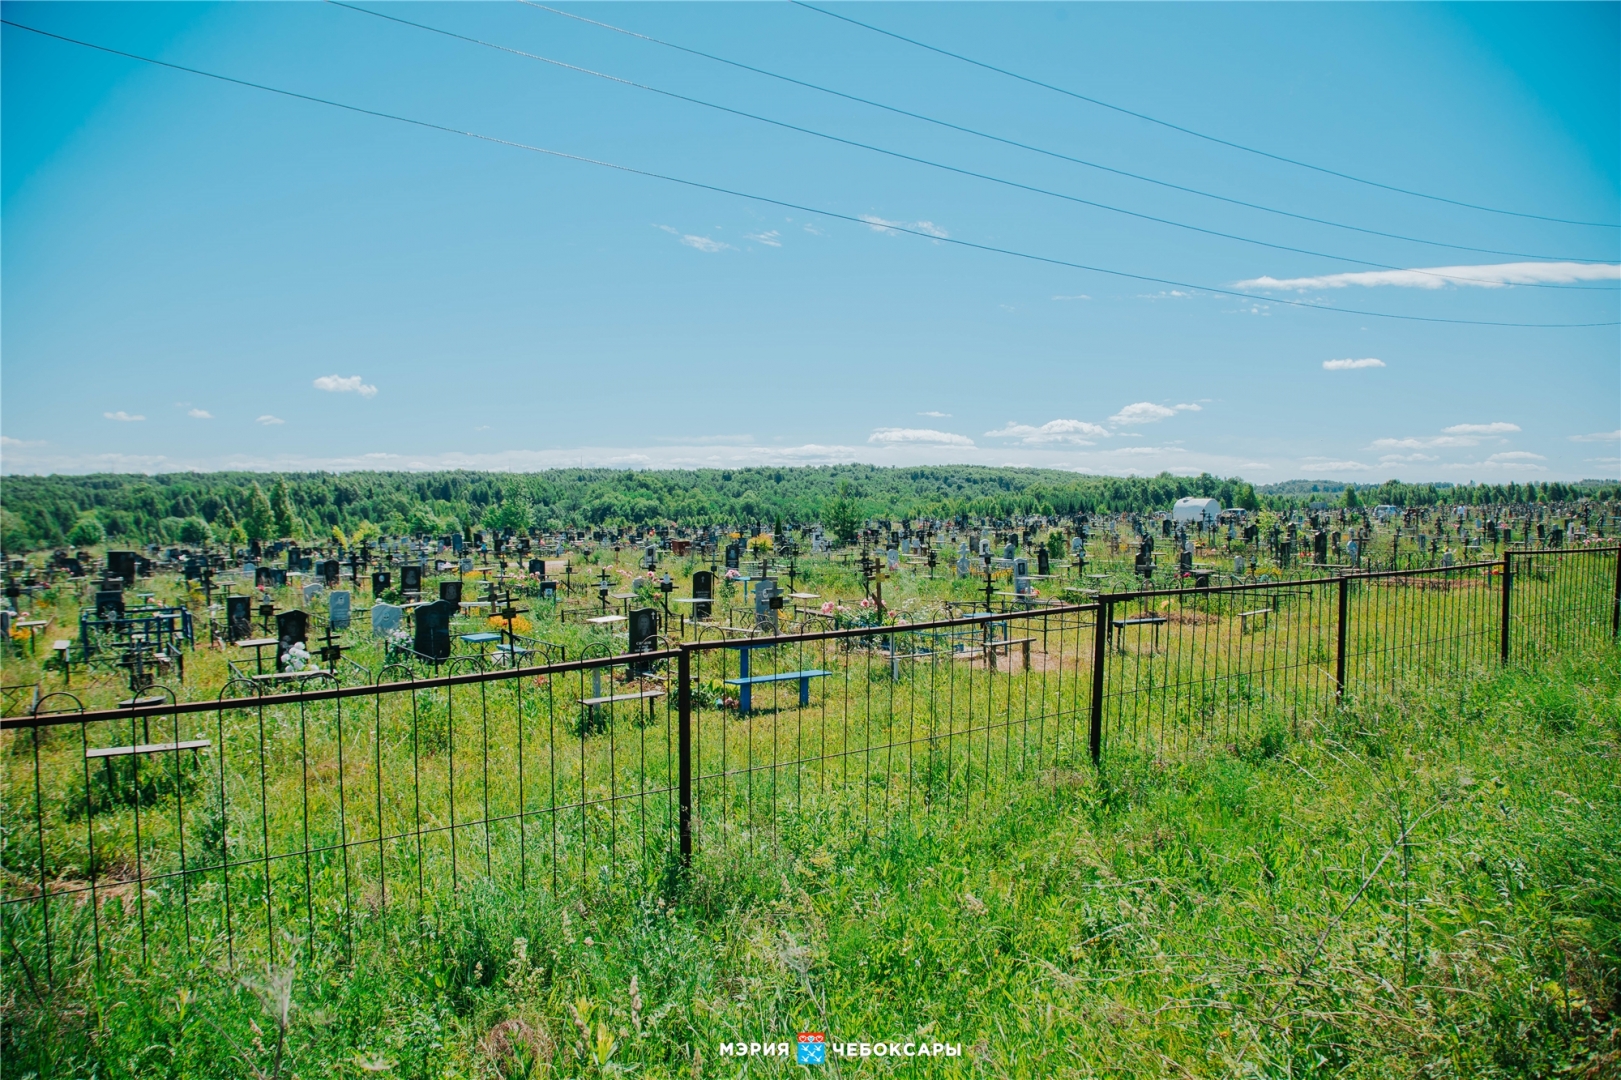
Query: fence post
x=684, y=709
x=1615, y=610
x=1339, y=647
x=1100, y=640
x=1508, y=587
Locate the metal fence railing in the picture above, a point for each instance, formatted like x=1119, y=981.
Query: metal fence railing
x=221, y=828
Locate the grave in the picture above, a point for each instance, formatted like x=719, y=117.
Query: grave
x=385, y=619
x=329, y=573
x=238, y=617
x=379, y=582
x=411, y=579
x=703, y=588
x=450, y=592
x=338, y=608
x=311, y=591
x=292, y=628
x=433, y=630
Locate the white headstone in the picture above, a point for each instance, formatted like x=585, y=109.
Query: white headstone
x=385, y=619
x=338, y=606
x=1238, y=564
x=311, y=591
x=962, y=565
x=893, y=557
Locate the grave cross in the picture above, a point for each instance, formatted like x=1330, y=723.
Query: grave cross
x=331, y=651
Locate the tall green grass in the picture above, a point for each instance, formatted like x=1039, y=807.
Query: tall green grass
x=1428, y=884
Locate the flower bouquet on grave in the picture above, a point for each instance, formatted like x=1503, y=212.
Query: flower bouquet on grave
x=397, y=646
x=296, y=658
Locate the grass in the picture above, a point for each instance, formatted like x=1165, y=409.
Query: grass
x=1426, y=885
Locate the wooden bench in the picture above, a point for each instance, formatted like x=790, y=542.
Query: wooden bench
x=990, y=649
x=1244, y=618
x=1156, y=621
x=146, y=748
x=747, y=683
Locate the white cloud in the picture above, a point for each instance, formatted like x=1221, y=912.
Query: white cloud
x=199, y=414
x=1425, y=443
x=702, y=243
x=936, y=414
x=1336, y=466
x=1077, y=296
x=1392, y=459
x=1142, y=412
x=878, y=224
x=1497, y=428
x=770, y=238
x=7, y=440
x=267, y=420
x=813, y=230
x=345, y=384
x=892, y=436
x=1351, y=365
x=1494, y=276
x=123, y=416
x=1516, y=455
x=1599, y=436
x=1073, y=432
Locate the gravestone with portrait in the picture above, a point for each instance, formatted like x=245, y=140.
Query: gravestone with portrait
x=703, y=588
x=292, y=628
x=385, y=619
x=238, y=617
x=338, y=606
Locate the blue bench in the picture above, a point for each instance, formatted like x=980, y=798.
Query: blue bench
x=748, y=682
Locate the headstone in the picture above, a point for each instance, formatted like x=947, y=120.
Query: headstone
x=450, y=592
x=109, y=604
x=238, y=617
x=250, y=569
x=893, y=559
x=380, y=580
x=466, y=565
x=411, y=579
x=311, y=591
x=122, y=564
x=537, y=566
x=703, y=588
x=732, y=556
x=338, y=607
x=330, y=571
x=1238, y=565
x=962, y=565
x=292, y=627
x=433, y=630
x=767, y=602
x=548, y=590
x=644, y=628
x=1044, y=565
x=385, y=619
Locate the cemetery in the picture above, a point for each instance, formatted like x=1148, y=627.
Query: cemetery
x=237, y=752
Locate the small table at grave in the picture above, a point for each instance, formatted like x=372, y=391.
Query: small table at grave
x=481, y=639
x=606, y=620
x=32, y=625
x=258, y=645
x=746, y=682
x=1156, y=621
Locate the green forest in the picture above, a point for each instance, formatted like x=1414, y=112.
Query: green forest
x=41, y=511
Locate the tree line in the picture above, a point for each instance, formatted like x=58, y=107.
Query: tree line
x=38, y=511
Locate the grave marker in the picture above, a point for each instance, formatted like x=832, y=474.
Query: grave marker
x=433, y=630
x=292, y=627
x=385, y=619
x=338, y=608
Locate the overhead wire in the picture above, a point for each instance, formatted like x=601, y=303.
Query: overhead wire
x=770, y=201
x=900, y=155
x=1055, y=154
x=1199, y=134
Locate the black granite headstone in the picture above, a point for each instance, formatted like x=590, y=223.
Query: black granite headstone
x=450, y=592
x=379, y=582
x=703, y=588
x=238, y=617
x=292, y=627
x=411, y=579
x=433, y=630
x=109, y=604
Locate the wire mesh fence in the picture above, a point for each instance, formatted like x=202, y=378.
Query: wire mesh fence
x=230, y=830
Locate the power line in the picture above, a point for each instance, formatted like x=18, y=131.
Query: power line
x=926, y=161
x=769, y=201
x=1039, y=149
x=1190, y=131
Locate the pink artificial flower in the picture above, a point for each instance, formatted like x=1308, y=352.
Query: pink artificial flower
x=827, y=608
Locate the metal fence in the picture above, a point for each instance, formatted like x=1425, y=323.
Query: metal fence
x=221, y=829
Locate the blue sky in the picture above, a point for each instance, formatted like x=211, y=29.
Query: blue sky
x=203, y=275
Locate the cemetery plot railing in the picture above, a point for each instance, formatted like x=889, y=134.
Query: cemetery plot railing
x=883, y=723
x=214, y=829
x=217, y=830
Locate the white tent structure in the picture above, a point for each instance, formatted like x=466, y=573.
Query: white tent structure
x=1194, y=510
